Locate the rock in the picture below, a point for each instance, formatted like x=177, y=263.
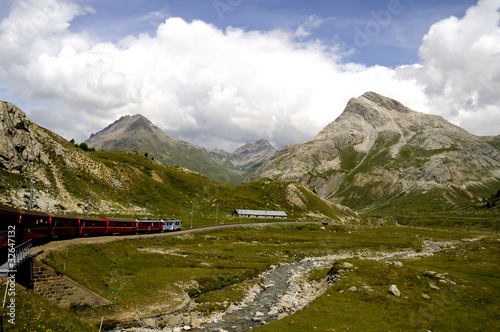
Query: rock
x=186, y=320
x=347, y=265
x=433, y=286
x=352, y=289
x=394, y=290
x=425, y=296
x=197, y=323
x=398, y=264
x=187, y=328
x=150, y=322
x=18, y=143
x=368, y=288
x=173, y=320
x=273, y=312
x=282, y=315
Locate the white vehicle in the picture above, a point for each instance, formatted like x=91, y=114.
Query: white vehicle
x=172, y=225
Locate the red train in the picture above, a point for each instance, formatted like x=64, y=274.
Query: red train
x=18, y=226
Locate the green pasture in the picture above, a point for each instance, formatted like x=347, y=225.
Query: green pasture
x=222, y=263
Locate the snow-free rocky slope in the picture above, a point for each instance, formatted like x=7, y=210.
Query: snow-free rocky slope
x=379, y=153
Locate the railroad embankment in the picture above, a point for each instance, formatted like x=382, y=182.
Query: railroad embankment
x=62, y=290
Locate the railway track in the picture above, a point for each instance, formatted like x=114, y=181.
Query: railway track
x=42, y=251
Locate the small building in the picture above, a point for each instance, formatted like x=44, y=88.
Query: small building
x=259, y=214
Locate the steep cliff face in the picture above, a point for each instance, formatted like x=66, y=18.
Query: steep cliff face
x=18, y=144
x=378, y=152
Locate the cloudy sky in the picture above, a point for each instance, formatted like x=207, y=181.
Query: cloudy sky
x=221, y=73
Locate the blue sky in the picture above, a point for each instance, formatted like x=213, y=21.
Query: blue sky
x=395, y=45
x=211, y=82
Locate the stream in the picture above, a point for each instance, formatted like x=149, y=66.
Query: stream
x=280, y=297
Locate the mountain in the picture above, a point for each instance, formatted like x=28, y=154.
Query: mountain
x=379, y=154
x=139, y=134
x=121, y=183
x=246, y=159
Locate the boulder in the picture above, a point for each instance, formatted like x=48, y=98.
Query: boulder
x=347, y=265
x=394, y=290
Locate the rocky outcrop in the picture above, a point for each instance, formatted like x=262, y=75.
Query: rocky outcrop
x=380, y=151
x=18, y=146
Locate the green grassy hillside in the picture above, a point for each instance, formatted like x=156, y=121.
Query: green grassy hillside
x=122, y=183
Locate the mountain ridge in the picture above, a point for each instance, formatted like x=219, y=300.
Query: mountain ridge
x=136, y=132
x=246, y=159
x=378, y=150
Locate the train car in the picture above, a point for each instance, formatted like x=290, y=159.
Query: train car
x=93, y=226
x=121, y=225
x=10, y=229
x=64, y=226
x=35, y=226
x=172, y=225
x=149, y=225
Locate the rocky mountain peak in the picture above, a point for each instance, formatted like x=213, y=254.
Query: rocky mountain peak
x=128, y=128
x=378, y=149
x=135, y=132
x=388, y=103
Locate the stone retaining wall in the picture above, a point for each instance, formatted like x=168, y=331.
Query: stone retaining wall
x=62, y=290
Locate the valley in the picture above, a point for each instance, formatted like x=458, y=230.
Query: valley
x=378, y=181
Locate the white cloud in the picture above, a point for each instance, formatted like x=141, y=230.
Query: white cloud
x=218, y=89
x=461, y=68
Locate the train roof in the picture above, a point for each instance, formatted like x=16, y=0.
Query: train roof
x=8, y=209
x=63, y=216
x=91, y=219
x=33, y=213
x=118, y=219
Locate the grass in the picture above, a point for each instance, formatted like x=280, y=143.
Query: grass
x=215, y=268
